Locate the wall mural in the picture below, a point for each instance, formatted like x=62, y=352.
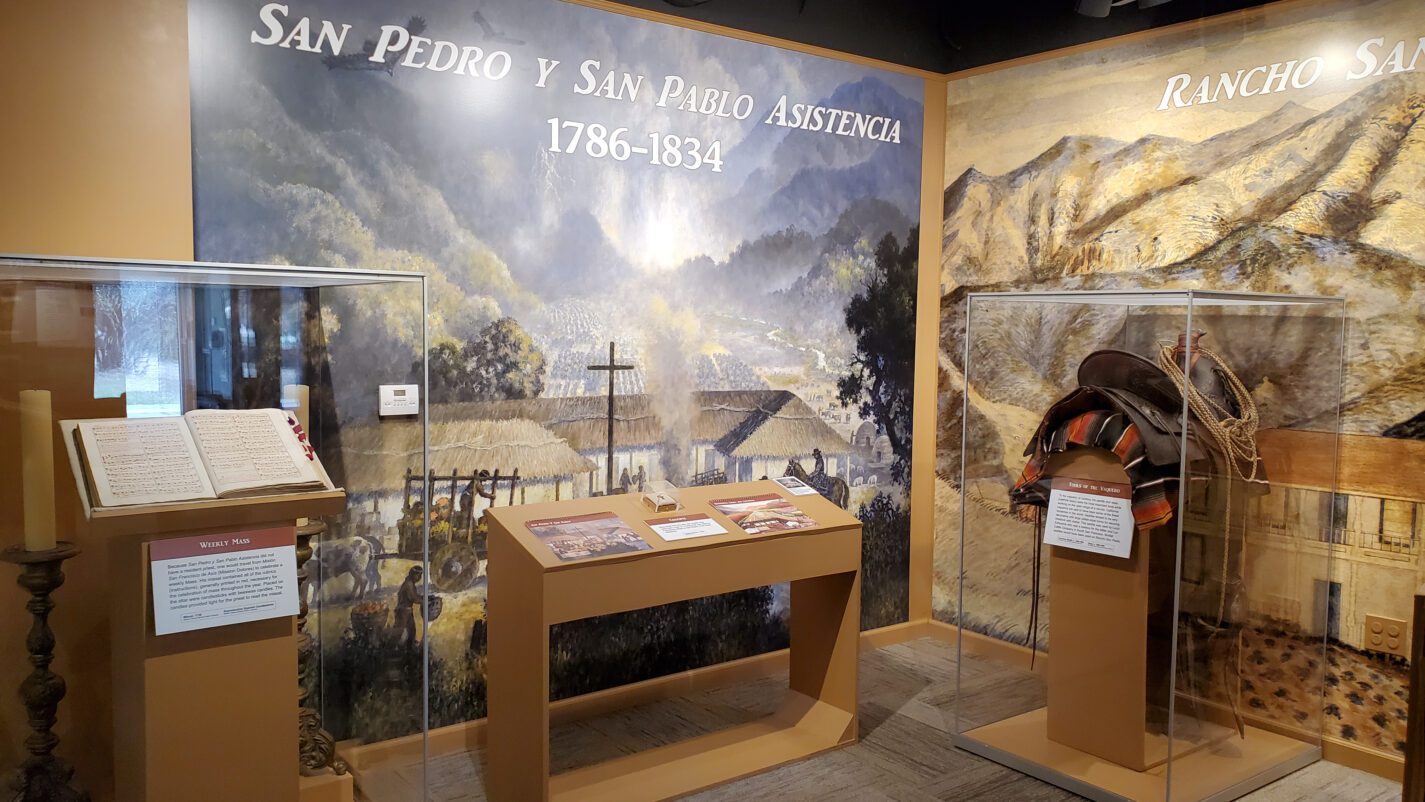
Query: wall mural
x=738, y=221
x=1281, y=151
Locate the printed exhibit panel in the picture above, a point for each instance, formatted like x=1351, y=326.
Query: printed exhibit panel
x=725, y=231
x=1279, y=150
x=212, y=581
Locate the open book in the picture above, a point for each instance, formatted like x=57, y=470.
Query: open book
x=205, y=454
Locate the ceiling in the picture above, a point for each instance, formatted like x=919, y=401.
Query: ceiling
x=937, y=35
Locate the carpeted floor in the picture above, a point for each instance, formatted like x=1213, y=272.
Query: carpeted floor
x=907, y=707
x=1366, y=695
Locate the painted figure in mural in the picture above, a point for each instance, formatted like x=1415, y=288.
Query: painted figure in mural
x=408, y=599
x=467, y=505
x=411, y=528
x=479, y=634
x=625, y=481
x=641, y=478
x=833, y=488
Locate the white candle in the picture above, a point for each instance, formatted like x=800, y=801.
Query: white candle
x=37, y=468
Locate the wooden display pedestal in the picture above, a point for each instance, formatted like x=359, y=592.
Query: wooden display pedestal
x=327, y=788
x=1112, y=621
x=1103, y=610
x=209, y=714
x=531, y=589
x=1104, y=731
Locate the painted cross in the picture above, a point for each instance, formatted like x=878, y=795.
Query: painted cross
x=613, y=368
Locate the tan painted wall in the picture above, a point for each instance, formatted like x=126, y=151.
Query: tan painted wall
x=927, y=354
x=96, y=150
x=94, y=160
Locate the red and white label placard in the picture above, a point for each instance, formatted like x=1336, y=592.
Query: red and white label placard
x=1090, y=516
x=216, y=580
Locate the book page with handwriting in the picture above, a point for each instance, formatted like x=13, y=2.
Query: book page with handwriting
x=143, y=461
x=251, y=450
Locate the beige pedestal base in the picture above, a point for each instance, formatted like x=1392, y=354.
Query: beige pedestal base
x=326, y=788
x=802, y=727
x=1224, y=770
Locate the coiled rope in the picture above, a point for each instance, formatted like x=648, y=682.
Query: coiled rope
x=1236, y=439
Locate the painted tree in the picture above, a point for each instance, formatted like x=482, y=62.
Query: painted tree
x=500, y=362
x=882, y=375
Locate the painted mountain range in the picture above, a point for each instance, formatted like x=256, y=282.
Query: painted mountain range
x=1297, y=202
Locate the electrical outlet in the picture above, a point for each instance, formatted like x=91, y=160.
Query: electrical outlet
x=1386, y=635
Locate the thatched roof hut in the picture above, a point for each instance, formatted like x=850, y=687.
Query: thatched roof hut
x=582, y=421
x=776, y=420
x=377, y=454
x=781, y=426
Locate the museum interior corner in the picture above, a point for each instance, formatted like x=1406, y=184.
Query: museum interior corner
x=638, y=400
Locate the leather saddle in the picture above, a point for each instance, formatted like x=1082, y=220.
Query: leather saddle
x=1127, y=383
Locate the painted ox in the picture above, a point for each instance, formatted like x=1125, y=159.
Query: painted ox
x=347, y=556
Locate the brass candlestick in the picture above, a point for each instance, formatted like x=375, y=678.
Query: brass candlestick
x=42, y=777
x=317, y=746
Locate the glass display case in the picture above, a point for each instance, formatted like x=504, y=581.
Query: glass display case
x=342, y=355
x=1146, y=593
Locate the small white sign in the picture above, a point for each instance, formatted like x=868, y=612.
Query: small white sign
x=1090, y=516
x=400, y=399
x=683, y=527
x=795, y=486
x=215, y=580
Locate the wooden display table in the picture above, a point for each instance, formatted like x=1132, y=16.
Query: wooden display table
x=531, y=589
x=209, y=714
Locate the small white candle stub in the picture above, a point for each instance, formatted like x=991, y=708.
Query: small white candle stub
x=37, y=468
x=297, y=399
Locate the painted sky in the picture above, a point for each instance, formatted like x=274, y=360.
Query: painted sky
x=479, y=145
x=1115, y=92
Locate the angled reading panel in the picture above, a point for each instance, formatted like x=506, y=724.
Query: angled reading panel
x=191, y=517
x=187, y=517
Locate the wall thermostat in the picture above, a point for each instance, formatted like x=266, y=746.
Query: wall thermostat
x=400, y=399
